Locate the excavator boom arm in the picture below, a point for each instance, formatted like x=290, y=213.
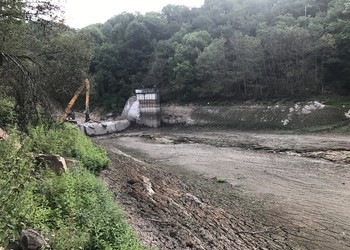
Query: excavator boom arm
x=87, y=96
x=75, y=97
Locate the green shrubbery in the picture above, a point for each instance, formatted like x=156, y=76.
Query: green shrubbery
x=85, y=209
x=7, y=114
x=66, y=140
x=14, y=180
x=73, y=210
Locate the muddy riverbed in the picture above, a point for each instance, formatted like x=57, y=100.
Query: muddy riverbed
x=187, y=189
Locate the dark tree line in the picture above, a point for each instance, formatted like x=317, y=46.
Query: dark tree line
x=224, y=50
x=230, y=49
x=42, y=62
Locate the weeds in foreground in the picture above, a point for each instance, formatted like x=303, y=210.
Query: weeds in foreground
x=67, y=141
x=73, y=210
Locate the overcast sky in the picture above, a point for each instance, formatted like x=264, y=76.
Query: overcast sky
x=80, y=13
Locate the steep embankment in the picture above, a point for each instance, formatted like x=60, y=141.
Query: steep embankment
x=68, y=208
x=310, y=116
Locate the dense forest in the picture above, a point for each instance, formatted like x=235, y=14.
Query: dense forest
x=225, y=50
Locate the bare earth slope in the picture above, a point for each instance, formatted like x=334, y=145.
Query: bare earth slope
x=228, y=190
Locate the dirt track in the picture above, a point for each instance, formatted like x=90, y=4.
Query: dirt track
x=228, y=190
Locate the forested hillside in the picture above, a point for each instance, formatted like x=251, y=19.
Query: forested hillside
x=42, y=63
x=227, y=49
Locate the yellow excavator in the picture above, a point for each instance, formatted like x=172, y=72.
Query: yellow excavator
x=68, y=115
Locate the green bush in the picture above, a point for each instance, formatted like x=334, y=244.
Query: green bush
x=84, y=208
x=7, y=114
x=67, y=141
x=73, y=210
x=14, y=181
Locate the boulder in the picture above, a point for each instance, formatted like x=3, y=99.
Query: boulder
x=55, y=162
x=31, y=240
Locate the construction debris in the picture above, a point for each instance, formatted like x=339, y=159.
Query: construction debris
x=104, y=128
x=131, y=111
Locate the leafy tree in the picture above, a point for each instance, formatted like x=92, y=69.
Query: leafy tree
x=160, y=72
x=203, y=22
x=66, y=56
x=37, y=57
x=212, y=70
x=156, y=24
x=338, y=24
x=245, y=57
x=177, y=13
x=186, y=54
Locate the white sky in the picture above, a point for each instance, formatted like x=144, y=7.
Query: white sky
x=80, y=13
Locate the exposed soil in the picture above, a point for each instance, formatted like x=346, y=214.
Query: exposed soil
x=232, y=190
